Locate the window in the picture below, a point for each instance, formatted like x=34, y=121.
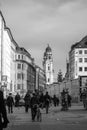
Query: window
x=85, y=69
x=80, y=68
x=80, y=51
x=18, y=86
x=80, y=59
x=22, y=76
x=22, y=57
x=48, y=67
x=22, y=86
x=22, y=66
x=19, y=66
x=49, y=57
x=85, y=59
x=18, y=76
x=48, y=80
x=18, y=56
x=85, y=51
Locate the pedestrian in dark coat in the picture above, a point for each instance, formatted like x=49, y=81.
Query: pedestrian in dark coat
x=3, y=114
x=10, y=103
x=55, y=100
x=41, y=100
x=17, y=99
x=69, y=100
x=33, y=103
x=27, y=101
x=47, y=101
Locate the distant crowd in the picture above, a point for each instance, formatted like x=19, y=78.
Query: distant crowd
x=35, y=101
x=36, y=98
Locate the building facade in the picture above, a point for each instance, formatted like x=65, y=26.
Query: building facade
x=78, y=59
x=40, y=79
x=17, y=67
x=25, y=71
x=7, y=57
x=48, y=65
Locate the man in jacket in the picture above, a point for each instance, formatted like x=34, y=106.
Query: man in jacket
x=27, y=101
x=33, y=104
x=47, y=101
x=10, y=103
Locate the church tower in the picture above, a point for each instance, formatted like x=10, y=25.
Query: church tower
x=48, y=65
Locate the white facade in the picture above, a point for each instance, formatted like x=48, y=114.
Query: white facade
x=7, y=58
x=48, y=66
x=78, y=60
x=1, y=40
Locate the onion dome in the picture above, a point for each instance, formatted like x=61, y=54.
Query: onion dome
x=48, y=49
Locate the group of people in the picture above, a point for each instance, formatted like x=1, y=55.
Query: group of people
x=32, y=101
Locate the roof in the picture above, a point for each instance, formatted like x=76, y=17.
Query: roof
x=80, y=44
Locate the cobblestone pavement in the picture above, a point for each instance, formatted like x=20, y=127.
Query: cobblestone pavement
x=75, y=115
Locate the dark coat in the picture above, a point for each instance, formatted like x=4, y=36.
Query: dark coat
x=27, y=99
x=3, y=113
x=34, y=101
x=17, y=98
x=10, y=101
x=47, y=99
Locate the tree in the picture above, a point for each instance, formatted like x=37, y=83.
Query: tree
x=60, y=77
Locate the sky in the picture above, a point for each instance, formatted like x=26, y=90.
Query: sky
x=36, y=23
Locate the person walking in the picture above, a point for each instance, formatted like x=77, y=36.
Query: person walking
x=47, y=101
x=10, y=103
x=17, y=99
x=57, y=101
x=69, y=100
x=3, y=113
x=33, y=104
x=41, y=100
x=54, y=100
x=27, y=101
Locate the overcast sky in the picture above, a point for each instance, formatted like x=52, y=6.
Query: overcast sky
x=35, y=23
